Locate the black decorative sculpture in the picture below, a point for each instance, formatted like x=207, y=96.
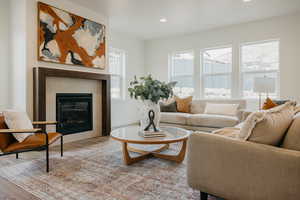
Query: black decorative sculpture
x=151, y=115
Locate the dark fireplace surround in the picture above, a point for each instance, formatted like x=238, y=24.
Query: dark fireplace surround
x=40, y=75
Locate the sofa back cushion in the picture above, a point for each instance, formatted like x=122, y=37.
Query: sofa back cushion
x=168, y=106
x=198, y=106
x=292, y=137
x=5, y=138
x=221, y=109
x=268, y=127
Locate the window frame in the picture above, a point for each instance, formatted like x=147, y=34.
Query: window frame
x=171, y=64
x=203, y=75
x=122, y=76
x=241, y=72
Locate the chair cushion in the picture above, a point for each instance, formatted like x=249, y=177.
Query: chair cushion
x=5, y=138
x=174, y=118
x=208, y=120
x=292, y=137
x=32, y=142
x=268, y=127
x=18, y=120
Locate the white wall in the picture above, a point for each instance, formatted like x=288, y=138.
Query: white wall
x=4, y=54
x=18, y=54
x=125, y=111
x=285, y=28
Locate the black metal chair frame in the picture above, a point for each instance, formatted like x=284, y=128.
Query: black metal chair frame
x=40, y=148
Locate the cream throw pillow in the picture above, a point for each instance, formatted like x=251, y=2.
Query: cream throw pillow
x=268, y=127
x=221, y=109
x=18, y=120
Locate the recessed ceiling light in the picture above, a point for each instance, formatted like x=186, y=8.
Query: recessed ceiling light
x=163, y=20
x=247, y=1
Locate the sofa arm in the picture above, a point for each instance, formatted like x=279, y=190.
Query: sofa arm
x=234, y=169
x=243, y=114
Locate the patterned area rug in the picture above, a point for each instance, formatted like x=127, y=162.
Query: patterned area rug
x=93, y=170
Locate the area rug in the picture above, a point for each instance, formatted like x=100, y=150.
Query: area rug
x=93, y=170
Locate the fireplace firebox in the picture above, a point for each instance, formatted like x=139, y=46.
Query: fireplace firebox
x=74, y=112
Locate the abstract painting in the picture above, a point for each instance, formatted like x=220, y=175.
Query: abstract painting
x=66, y=38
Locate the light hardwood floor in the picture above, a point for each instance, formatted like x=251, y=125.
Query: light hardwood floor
x=10, y=191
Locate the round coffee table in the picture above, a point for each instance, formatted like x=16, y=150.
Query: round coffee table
x=131, y=135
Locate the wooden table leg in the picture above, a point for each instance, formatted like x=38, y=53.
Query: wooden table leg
x=129, y=160
x=177, y=158
x=140, y=151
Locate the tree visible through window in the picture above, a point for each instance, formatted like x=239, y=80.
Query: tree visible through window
x=216, y=73
x=259, y=60
x=117, y=71
x=181, y=71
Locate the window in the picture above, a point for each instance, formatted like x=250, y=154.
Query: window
x=216, y=73
x=117, y=70
x=181, y=71
x=259, y=60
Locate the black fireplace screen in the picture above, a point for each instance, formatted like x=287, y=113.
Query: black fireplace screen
x=74, y=113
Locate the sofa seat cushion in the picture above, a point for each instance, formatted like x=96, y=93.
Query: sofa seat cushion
x=174, y=118
x=32, y=142
x=209, y=120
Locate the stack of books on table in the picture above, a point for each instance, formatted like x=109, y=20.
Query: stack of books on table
x=152, y=134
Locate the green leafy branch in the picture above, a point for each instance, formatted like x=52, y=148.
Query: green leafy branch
x=149, y=89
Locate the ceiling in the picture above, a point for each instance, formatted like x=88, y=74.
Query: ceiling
x=141, y=17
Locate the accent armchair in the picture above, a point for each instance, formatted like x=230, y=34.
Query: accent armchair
x=40, y=141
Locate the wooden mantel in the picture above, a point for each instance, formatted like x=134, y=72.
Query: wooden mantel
x=39, y=92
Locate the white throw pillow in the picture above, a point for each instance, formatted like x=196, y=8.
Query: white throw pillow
x=18, y=120
x=221, y=109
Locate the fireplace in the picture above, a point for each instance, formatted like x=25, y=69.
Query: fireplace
x=74, y=113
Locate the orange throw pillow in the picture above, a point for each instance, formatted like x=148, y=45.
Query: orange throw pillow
x=268, y=104
x=184, y=104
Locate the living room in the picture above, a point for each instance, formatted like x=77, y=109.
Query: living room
x=107, y=99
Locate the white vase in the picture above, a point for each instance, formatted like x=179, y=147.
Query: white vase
x=144, y=109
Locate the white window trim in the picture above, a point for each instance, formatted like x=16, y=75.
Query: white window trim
x=170, y=66
x=121, y=76
x=202, y=74
x=241, y=86
x=170, y=62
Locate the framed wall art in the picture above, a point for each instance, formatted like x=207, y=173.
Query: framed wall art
x=67, y=38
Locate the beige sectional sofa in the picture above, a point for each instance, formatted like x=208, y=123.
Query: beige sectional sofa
x=197, y=120
x=242, y=170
